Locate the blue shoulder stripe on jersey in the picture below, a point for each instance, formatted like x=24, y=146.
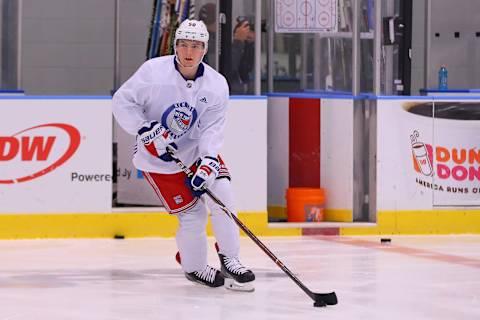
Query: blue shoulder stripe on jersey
x=199, y=73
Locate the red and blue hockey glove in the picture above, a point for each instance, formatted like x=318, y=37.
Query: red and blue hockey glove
x=205, y=175
x=156, y=138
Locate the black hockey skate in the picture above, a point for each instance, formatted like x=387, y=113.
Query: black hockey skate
x=237, y=277
x=209, y=276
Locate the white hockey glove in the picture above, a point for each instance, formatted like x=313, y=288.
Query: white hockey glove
x=156, y=138
x=205, y=175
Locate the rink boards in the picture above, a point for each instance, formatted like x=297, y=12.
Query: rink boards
x=56, y=168
x=424, y=160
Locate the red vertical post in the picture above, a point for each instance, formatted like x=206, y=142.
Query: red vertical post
x=304, y=142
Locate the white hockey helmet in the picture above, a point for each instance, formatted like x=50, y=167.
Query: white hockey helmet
x=192, y=30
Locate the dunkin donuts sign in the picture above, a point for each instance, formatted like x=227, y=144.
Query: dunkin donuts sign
x=456, y=164
x=450, y=162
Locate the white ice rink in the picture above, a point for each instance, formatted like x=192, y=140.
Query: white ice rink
x=427, y=277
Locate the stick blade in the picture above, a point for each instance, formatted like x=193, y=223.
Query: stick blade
x=326, y=298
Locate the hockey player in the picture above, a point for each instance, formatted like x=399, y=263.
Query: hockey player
x=180, y=101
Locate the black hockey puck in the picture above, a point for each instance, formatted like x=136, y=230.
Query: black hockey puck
x=119, y=236
x=385, y=240
x=319, y=303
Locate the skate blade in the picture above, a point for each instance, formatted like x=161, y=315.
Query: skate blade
x=233, y=285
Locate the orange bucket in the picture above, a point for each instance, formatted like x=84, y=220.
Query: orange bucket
x=305, y=204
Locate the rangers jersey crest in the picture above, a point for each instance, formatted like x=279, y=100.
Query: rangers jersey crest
x=179, y=118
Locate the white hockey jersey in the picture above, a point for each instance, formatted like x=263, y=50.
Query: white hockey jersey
x=193, y=110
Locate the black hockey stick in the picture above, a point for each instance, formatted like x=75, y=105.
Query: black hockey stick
x=320, y=299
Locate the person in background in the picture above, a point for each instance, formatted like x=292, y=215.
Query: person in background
x=243, y=55
x=207, y=14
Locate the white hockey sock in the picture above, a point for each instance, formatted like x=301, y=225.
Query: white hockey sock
x=191, y=238
x=225, y=229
